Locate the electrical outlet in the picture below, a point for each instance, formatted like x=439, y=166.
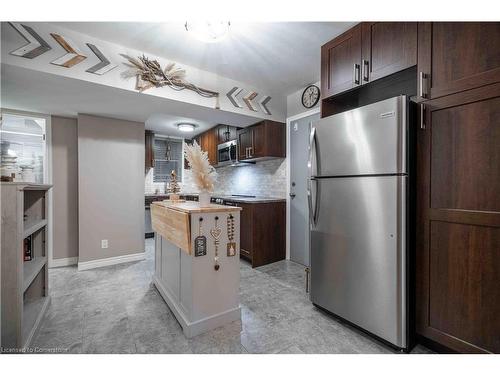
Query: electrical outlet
x=104, y=244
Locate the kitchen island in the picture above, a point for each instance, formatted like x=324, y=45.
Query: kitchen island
x=197, y=268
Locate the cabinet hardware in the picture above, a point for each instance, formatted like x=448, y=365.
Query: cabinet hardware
x=422, y=80
x=307, y=270
x=422, y=116
x=366, y=66
x=356, y=74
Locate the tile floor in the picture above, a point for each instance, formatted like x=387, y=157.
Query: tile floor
x=117, y=310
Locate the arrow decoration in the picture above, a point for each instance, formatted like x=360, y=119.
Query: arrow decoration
x=103, y=66
x=248, y=101
x=262, y=103
x=72, y=56
x=232, y=95
x=35, y=46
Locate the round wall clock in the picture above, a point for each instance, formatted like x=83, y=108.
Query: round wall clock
x=310, y=96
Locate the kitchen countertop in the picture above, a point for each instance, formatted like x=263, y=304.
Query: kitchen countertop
x=194, y=207
x=232, y=198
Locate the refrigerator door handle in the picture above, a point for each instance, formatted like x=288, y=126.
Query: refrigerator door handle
x=312, y=208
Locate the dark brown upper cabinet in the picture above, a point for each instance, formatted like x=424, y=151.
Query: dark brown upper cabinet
x=226, y=133
x=341, y=63
x=148, y=152
x=387, y=48
x=457, y=56
x=208, y=142
x=264, y=140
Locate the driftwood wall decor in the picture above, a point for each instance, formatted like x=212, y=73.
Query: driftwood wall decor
x=35, y=46
x=149, y=74
x=103, y=66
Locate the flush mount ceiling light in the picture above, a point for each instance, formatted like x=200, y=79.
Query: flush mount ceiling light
x=186, y=127
x=208, y=31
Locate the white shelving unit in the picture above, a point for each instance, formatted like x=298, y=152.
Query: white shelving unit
x=25, y=290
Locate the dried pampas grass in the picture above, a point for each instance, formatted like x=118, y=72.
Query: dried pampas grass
x=204, y=174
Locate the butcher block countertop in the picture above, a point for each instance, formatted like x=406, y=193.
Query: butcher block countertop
x=194, y=207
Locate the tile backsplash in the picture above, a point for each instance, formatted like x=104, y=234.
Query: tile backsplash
x=265, y=178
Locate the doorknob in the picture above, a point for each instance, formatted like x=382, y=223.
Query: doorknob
x=292, y=195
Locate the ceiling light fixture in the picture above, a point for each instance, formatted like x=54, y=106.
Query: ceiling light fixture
x=208, y=31
x=186, y=127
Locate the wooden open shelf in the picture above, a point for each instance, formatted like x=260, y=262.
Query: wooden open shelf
x=31, y=270
x=25, y=292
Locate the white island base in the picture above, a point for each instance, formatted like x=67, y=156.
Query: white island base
x=200, y=297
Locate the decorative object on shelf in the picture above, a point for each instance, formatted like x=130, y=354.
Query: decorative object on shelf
x=35, y=46
x=310, y=96
x=248, y=100
x=231, y=245
x=263, y=104
x=232, y=95
x=215, y=233
x=72, y=56
x=103, y=66
x=27, y=174
x=8, y=162
x=200, y=242
x=204, y=175
x=173, y=187
x=149, y=74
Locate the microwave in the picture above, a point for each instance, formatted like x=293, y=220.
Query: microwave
x=227, y=153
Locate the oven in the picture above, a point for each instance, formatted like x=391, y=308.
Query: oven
x=227, y=153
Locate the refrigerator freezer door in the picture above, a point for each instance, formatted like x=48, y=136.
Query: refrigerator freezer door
x=358, y=253
x=363, y=141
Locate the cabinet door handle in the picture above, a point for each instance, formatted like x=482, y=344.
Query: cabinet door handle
x=422, y=116
x=356, y=73
x=250, y=151
x=366, y=70
x=422, y=80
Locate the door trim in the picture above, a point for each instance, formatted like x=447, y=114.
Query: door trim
x=289, y=120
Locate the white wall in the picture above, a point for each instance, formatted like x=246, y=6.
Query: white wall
x=110, y=187
x=294, y=103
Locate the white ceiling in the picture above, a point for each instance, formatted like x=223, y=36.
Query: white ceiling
x=280, y=57
x=34, y=91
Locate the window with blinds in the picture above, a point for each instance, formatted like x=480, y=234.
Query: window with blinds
x=167, y=157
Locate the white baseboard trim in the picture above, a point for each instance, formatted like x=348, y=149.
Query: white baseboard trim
x=82, y=266
x=63, y=262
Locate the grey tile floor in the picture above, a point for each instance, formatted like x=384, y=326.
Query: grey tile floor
x=117, y=310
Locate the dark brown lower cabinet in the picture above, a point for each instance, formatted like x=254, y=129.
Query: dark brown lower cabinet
x=458, y=221
x=262, y=232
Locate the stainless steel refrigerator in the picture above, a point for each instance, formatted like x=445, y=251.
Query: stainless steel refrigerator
x=358, y=212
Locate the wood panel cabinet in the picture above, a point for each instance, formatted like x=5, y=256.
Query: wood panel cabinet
x=148, y=152
x=387, y=48
x=262, y=232
x=340, y=63
x=458, y=221
x=226, y=133
x=457, y=56
x=208, y=142
x=261, y=141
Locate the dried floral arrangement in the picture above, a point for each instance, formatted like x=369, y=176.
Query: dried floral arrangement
x=204, y=174
x=149, y=74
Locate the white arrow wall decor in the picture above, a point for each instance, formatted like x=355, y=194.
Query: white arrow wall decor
x=232, y=95
x=103, y=66
x=35, y=46
x=248, y=100
x=262, y=103
x=71, y=58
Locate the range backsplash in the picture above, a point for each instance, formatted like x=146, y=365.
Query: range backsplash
x=265, y=178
